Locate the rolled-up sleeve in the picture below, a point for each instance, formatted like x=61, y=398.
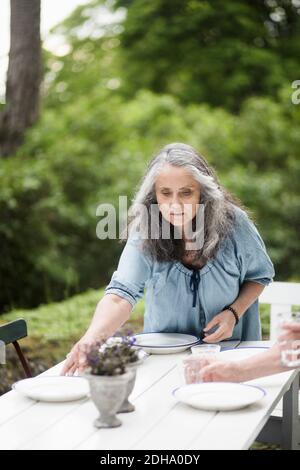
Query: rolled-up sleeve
x=133, y=271
x=255, y=263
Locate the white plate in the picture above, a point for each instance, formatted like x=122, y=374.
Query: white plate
x=219, y=396
x=241, y=353
x=165, y=343
x=54, y=388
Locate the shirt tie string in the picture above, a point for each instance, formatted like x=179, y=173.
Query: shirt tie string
x=194, y=284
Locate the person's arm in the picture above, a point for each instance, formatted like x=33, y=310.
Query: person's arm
x=256, y=271
x=249, y=292
x=111, y=313
x=122, y=293
x=260, y=365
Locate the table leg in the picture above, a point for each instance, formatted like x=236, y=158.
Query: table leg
x=290, y=417
x=285, y=430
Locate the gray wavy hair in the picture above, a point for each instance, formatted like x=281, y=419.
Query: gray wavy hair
x=219, y=205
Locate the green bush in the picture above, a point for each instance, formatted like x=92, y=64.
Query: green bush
x=96, y=148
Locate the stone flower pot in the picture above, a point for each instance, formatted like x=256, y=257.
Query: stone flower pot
x=108, y=393
x=131, y=367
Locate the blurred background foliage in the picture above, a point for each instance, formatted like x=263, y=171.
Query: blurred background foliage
x=214, y=74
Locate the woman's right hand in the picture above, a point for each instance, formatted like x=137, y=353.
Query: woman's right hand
x=76, y=358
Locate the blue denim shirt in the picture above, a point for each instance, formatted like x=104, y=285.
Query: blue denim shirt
x=183, y=300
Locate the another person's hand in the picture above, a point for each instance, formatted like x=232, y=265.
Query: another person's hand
x=290, y=332
x=225, y=322
x=192, y=367
x=221, y=372
x=76, y=359
x=201, y=369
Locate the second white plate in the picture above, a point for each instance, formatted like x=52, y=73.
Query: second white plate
x=165, y=343
x=219, y=396
x=53, y=388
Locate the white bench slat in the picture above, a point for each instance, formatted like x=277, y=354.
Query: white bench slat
x=285, y=293
x=281, y=296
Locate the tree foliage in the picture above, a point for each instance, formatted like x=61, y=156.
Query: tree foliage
x=218, y=52
x=96, y=135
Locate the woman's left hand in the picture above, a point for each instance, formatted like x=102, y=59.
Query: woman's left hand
x=225, y=322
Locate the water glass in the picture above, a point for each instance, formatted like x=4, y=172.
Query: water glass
x=281, y=318
x=206, y=349
x=290, y=349
x=290, y=353
x=190, y=366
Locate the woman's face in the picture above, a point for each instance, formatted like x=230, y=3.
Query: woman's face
x=178, y=195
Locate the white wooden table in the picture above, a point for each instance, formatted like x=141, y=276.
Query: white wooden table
x=159, y=422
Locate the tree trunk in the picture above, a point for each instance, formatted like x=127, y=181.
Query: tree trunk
x=23, y=76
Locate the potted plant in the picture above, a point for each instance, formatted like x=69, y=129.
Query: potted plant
x=111, y=372
x=132, y=357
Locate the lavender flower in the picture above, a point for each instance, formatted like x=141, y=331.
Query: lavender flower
x=112, y=356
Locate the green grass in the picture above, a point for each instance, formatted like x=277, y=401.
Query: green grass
x=68, y=320
x=62, y=320
x=265, y=320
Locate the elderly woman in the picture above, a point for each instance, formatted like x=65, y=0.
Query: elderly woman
x=210, y=291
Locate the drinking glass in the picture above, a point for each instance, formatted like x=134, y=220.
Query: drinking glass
x=190, y=366
x=290, y=349
x=282, y=318
x=207, y=349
